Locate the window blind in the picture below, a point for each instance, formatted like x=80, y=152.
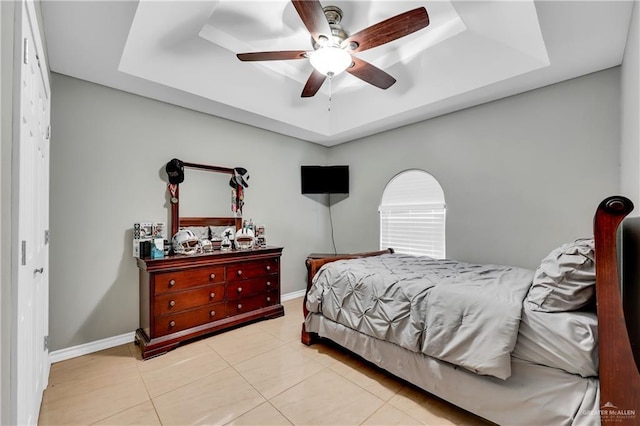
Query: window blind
x=415, y=229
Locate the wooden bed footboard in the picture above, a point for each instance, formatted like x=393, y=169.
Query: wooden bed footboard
x=619, y=376
x=313, y=265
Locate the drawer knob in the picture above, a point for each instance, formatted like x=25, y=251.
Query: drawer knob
x=212, y=313
x=239, y=305
x=172, y=303
x=212, y=276
x=212, y=295
x=268, y=283
x=239, y=272
x=239, y=289
x=172, y=324
x=268, y=299
x=172, y=283
x=268, y=268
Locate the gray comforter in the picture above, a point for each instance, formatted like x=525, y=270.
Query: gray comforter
x=460, y=313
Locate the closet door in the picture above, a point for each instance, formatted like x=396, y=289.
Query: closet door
x=30, y=356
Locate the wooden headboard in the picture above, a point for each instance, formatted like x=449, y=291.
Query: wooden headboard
x=210, y=221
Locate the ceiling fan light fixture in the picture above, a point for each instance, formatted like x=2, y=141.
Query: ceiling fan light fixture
x=330, y=60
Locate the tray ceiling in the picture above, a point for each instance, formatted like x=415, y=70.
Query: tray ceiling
x=183, y=52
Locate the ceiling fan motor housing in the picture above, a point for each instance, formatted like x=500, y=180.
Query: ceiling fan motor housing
x=338, y=34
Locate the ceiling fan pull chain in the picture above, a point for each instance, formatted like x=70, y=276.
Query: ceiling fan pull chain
x=330, y=93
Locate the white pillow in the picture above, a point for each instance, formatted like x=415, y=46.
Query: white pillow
x=565, y=279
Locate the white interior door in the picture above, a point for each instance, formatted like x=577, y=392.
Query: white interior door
x=30, y=365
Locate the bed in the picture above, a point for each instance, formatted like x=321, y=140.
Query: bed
x=511, y=345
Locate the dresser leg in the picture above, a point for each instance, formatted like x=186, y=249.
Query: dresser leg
x=150, y=348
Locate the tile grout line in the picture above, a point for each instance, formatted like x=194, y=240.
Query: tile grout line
x=367, y=390
x=134, y=354
x=185, y=384
x=281, y=413
x=268, y=400
x=254, y=388
x=372, y=414
x=155, y=409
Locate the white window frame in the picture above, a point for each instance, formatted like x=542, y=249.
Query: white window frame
x=414, y=225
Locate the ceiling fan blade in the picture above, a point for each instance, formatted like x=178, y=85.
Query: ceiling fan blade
x=277, y=55
x=388, y=30
x=313, y=84
x=313, y=17
x=371, y=74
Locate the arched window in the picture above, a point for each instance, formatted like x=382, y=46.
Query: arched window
x=412, y=215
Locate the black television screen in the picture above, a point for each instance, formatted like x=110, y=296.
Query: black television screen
x=325, y=179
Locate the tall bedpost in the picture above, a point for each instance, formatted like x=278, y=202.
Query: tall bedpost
x=619, y=376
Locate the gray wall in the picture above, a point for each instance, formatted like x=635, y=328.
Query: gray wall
x=630, y=114
x=520, y=175
x=108, y=151
x=630, y=173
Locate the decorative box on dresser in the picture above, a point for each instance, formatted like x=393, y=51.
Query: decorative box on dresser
x=183, y=297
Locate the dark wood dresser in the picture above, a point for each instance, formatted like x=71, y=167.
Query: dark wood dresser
x=183, y=297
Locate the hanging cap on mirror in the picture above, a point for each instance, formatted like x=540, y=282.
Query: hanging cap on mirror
x=239, y=178
x=175, y=171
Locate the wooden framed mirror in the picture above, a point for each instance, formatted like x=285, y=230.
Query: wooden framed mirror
x=189, y=295
x=180, y=221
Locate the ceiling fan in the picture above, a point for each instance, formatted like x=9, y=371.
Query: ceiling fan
x=333, y=46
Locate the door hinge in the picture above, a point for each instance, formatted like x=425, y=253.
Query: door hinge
x=46, y=237
x=46, y=343
x=25, y=52
x=24, y=253
x=48, y=134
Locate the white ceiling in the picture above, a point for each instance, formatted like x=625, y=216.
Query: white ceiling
x=183, y=52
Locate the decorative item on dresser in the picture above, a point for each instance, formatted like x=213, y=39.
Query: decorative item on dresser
x=183, y=297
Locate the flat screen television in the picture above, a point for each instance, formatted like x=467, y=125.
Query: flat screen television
x=325, y=179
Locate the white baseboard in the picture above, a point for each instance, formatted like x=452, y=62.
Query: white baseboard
x=91, y=347
x=293, y=295
x=110, y=342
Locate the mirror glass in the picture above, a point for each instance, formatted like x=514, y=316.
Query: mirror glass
x=205, y=193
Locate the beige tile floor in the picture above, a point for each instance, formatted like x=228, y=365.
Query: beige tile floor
x=259, y=374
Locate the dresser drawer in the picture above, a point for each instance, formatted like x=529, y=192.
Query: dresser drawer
x=248, y=270
x=172, y=323
x=180, y=280
x=249, y=304
x=246, y=288
x=179, y=301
